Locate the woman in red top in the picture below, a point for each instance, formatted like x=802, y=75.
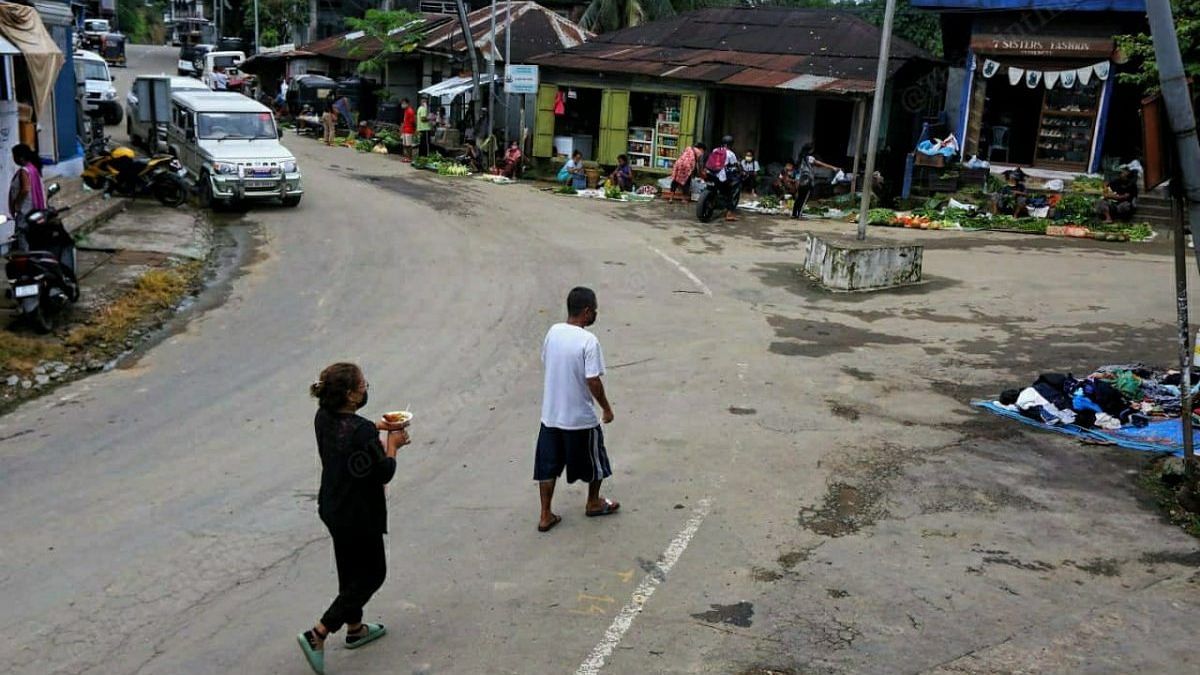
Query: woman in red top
x=408, y=129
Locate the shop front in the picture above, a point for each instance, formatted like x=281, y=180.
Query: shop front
x=1037, y=101
x=648, y=125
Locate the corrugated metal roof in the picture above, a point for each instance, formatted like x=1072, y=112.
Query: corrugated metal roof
x=535, y=30
x=800, y=49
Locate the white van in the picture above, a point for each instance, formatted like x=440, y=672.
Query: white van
x=92, y=71
x=229, y=145
x=140, y=133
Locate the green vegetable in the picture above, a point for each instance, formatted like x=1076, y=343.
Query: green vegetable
x=452, y=169
x=880, y=216
x=612, y=190
x=768, y=202
x=566, y=190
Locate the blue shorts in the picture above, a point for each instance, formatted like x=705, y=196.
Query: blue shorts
x=580, y=451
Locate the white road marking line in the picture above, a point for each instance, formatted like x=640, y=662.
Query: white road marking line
x=695, y=279
x=641, y=594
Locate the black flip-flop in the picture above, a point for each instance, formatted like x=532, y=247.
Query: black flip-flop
x=547, y=528
x=610, y=507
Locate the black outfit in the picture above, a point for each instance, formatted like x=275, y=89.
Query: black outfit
x=1123, y=208
x=354, y=469
x=802, y=192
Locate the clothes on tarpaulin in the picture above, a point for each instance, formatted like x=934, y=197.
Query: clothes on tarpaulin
x=1111, y=398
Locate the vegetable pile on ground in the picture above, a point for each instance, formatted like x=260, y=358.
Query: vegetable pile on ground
x=453, y=169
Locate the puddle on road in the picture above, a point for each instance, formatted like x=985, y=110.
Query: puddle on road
x=824, y=338
x=739, y=614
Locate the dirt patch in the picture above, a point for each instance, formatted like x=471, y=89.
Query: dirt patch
x=845, y=510
x=1101, y=567
x=765, y=575
x=1187, y=559
x=857, y=374
x=739, y=614
x=823, y=338
x=843, y=411
x=768, y=670
x=792, y=558
x=1013, y=561
x=837, y=593
x=734, y=410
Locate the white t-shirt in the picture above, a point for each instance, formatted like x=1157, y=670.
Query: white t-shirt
x=570, y=355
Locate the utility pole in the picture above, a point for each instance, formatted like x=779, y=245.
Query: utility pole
x=256, y=46
x=492, y=74
x=885, y=45
x=507, y=63
x=1177, y=98
x=469, y=38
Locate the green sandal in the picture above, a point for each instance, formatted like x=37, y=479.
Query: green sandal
x=316, y=657
x=374, y=632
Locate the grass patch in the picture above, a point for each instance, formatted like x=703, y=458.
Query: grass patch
x=1163, y=479
x=154, y=291
x=21, y=354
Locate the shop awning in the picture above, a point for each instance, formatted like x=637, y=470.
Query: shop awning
x=22, y=27
x=453, y=86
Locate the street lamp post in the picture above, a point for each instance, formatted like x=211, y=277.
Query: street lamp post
x=885, y=45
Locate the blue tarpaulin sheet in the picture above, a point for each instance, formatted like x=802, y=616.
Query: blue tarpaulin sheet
x=1158, y=436
x=1138, y=6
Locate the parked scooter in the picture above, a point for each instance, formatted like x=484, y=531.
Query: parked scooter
x=123, y=172
x=713, y=199
x=41, y=267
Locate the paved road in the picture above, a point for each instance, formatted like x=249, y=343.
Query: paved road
x=804, y=486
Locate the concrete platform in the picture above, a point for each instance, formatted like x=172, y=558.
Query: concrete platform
x=846, y=264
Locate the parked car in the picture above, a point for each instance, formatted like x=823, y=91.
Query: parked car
x=140, y=133
x=93, y=30
x=191, y=58
x=99, y=93
x=229, y=146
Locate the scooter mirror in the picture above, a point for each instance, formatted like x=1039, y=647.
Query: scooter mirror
x=53, y=189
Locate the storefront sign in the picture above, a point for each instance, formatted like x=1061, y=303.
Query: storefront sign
x=521, y=79
x=1024, y=45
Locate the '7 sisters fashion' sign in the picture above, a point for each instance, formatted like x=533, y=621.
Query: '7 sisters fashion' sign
x=1024, y=45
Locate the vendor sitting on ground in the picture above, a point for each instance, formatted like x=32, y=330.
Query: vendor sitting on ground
x=785, y=182
x=512, y=161
x=1011, y=198
x=622, y=176
x=1120, y=194
x=573, y=172
x=470, y=157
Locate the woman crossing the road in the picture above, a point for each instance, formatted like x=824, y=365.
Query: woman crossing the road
x=355, y=465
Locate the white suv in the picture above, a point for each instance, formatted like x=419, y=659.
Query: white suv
x=92, y=71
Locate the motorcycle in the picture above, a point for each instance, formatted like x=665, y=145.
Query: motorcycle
x=121, y=172
x=41, y=267
x=713, y=199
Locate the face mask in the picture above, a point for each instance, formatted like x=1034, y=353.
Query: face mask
x=363, y=402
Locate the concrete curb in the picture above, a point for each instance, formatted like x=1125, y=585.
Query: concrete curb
x=91, y=212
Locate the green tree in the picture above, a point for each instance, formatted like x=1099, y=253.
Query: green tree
x=1140, y=49
x=395, y=31
x=277, y=20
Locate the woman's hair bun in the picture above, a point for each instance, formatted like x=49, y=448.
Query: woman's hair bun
x=316, y=388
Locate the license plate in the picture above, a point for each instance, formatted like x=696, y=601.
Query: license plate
x=253, y=184
x=25, y=291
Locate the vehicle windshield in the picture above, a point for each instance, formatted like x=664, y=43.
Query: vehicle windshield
x=96, y=26
x=245, y=125
x=225, y=61
x=91, y=70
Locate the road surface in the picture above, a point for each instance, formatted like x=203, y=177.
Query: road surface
x=803, y=484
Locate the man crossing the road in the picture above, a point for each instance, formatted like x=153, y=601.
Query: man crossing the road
x=570, y=435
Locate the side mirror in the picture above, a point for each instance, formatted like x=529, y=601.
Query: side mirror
x=280, y=130
x=53, y=189
x=112, y=78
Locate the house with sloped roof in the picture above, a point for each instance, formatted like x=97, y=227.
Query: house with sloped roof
x=773, y=78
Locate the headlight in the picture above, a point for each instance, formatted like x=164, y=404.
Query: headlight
x=110, y=95
x=289, y=166
x=224, y=168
